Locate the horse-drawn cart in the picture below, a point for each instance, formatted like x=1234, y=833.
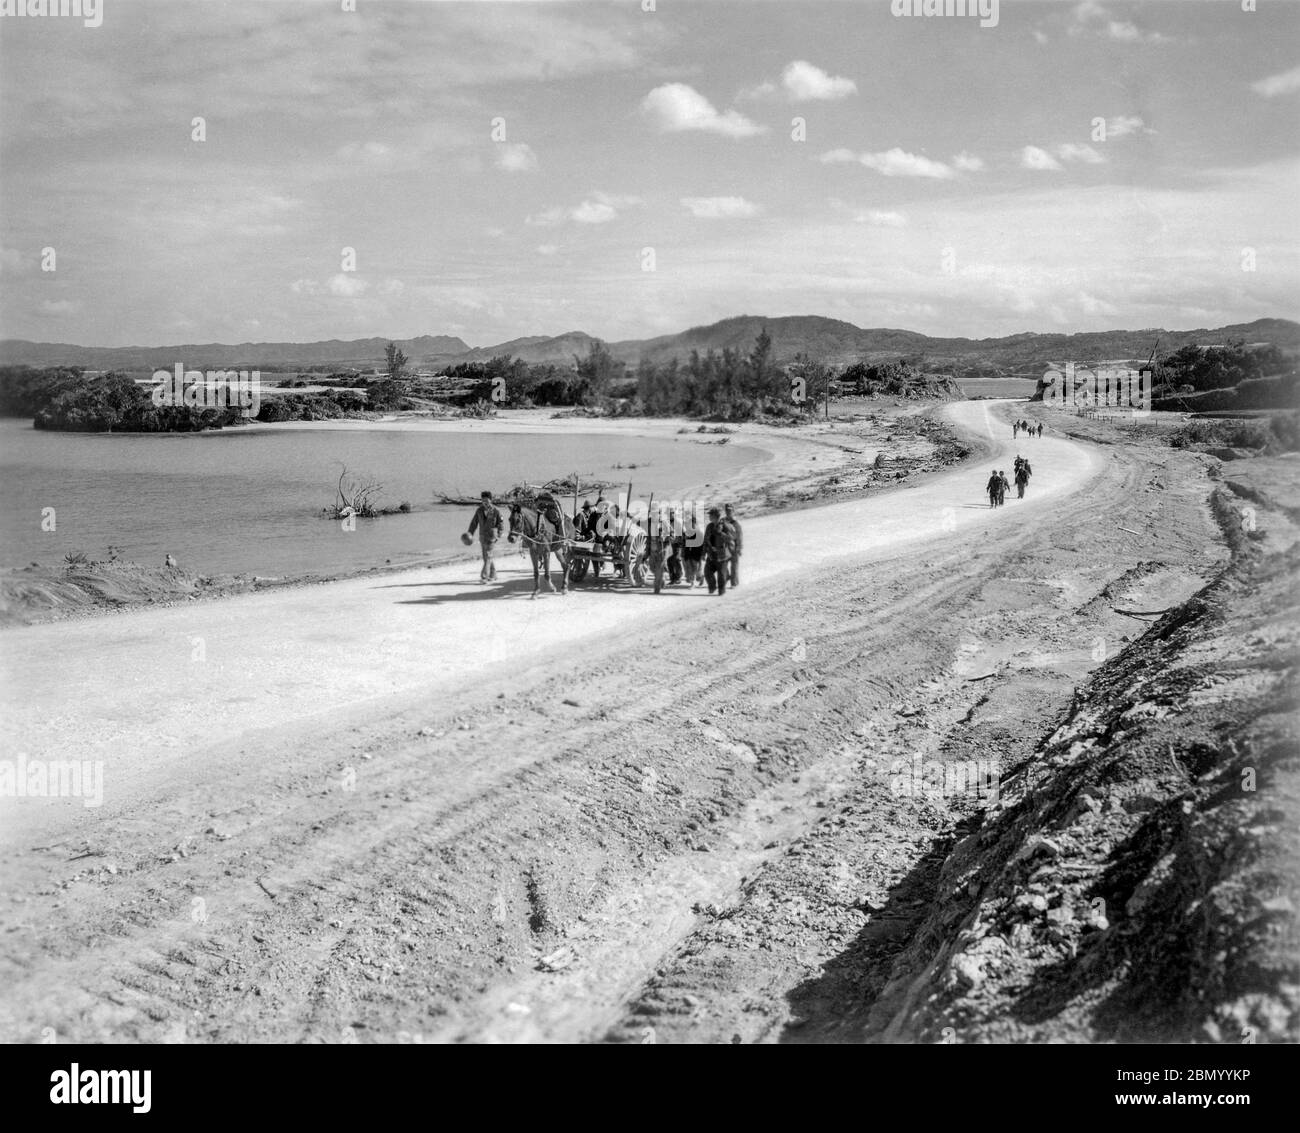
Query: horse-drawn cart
x=624, y=554
x=616, y=540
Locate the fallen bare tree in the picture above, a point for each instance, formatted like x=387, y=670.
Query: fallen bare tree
x=357, y=495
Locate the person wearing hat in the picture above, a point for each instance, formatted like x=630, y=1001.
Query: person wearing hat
x=489, y=524
x=738, y=540
x=718, y=545
x=582, y=521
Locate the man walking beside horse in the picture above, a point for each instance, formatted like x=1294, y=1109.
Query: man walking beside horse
x=488, y=523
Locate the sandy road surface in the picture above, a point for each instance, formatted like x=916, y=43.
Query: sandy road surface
x=369, y=812
x=149, y=692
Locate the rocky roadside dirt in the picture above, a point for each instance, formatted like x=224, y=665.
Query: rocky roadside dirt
x=1134, y=877
x=699, y=835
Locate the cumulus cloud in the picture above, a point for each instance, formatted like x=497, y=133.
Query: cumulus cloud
x=893, y=163
x=1072, y=151
x=1124, y=125
x=598, y=208
x=804, y=82
x=721, y=208
x=1091, y=17
x=1031, y=157
x=516, y=157
x=968, y=163
x=676, y=107
x=547, y=249
x=1287, y=82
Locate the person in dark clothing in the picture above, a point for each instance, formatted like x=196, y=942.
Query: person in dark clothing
x=992, y=488
x=693, y=550
x=676, y=545
x=718, y=544
x=738, y=539
x=582, y=521
x=1022, y=478
x=1040, y=430
x=489, y=524
x=1004, y=485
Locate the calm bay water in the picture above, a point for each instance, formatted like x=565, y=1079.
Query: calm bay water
x=249, y=500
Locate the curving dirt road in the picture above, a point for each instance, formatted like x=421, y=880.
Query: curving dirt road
x=414, y=808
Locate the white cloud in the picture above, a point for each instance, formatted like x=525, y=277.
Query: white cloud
x=516, y=157
x=1285, y=83
x=547, y=249
x=1040, y=37
x=392, y=287
x=1031, y=157
x=675, y=107
x=968, y=163
x=594, y=212
x=894, y=163
x=1093, y=17
x=1124, y=125
x=804, y=82
x=1072, y=151
x=598, y=208
x=881, y=218
x=721, y=208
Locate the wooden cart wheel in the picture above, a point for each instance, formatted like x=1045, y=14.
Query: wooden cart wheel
x=578, y=568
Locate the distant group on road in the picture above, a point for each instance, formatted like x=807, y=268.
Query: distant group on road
x=1018, y=427
x=998, y=484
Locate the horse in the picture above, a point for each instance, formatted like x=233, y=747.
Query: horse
x=539, y=532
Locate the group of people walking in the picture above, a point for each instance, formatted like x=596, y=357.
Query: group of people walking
x=999, y=485
x=713, y=561
x=1018, y=427
x=687, y=557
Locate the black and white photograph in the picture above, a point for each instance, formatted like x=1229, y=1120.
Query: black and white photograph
x=650, y=522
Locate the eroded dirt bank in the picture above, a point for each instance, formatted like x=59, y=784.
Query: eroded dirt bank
x=683, y=834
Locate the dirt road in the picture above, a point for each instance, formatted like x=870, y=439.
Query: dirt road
x=419, y=808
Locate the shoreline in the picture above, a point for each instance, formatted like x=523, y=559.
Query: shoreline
x=807, y=465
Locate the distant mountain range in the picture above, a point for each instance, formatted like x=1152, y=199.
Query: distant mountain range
x=829, y=340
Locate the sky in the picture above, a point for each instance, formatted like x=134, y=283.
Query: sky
x=501, y=169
